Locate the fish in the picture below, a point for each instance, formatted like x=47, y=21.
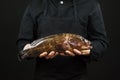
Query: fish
x=56, y=42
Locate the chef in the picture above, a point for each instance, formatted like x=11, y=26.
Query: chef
x=46, y=17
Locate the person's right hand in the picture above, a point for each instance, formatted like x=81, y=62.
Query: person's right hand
x=47, y=55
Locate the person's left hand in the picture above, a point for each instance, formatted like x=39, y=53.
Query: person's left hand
x=85, y=51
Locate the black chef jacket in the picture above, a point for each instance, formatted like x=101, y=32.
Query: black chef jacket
x=46, y=17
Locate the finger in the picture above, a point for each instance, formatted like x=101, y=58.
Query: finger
x=85, y=52
x=86, y=47
x=51, y=54
x=77, y=51
x=54, y=55
x=69, y=53
x=43, y=54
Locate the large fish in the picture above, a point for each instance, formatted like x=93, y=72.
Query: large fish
x=58, y=42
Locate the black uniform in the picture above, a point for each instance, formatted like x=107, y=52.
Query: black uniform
x=46, y=17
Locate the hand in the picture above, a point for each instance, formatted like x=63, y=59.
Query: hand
x=47, y=55
x=85, y=51
x=82, y=52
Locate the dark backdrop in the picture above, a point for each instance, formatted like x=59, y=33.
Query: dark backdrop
x=11, y=12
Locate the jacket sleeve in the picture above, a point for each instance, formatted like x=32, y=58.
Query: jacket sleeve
x=26, y=30
x=97, y=34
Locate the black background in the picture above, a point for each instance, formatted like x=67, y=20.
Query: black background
x=11, y=12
